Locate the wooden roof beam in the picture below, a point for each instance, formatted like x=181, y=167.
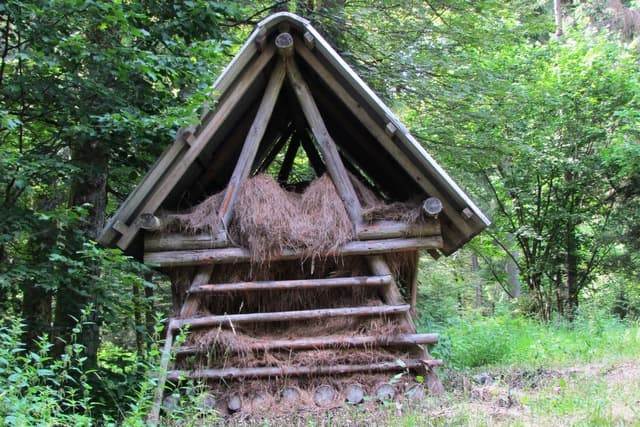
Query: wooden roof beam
x=325, y=143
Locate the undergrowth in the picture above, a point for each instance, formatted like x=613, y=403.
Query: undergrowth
x=507, y=340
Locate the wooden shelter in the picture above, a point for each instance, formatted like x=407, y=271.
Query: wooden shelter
x=286, y=95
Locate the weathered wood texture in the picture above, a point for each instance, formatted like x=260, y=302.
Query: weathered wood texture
x=175, y=241
x=235, y=255
x=332, y=282
x=284, y=371
x=154, y=414
x=251, y=143
x=375, y=231
x=325, y=143
x=312, y=343
x=152, y=200
x=201, y=277
x=379, y=133
x=283, y=316
x=395, y=229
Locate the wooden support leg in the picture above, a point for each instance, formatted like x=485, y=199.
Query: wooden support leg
x=188, y=309
x=391, y=295
x=154, y=415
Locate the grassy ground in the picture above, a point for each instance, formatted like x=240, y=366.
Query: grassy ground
x=586, y=373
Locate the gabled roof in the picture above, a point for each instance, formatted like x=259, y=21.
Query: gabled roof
x=201, y=159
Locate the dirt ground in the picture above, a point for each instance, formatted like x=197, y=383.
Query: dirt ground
x=592, y=394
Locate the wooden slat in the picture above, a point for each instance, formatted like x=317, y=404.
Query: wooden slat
x=287, y=162
x=282, y=316
x=284, y=371
x=325, y=143
x=332, y=282
x=392, y=295
x=251, y=143
x=339, y=341
x=235, y=255
x=171, y=178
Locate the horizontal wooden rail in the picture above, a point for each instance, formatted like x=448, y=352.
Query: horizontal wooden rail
x=283, y=371
x=155, y=242
x=177, y=241
x=235, y=255
x=281, y=316
x=327, y=342
x=395, y=229
x=332, y=282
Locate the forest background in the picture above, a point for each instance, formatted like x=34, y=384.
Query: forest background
x=532, y=106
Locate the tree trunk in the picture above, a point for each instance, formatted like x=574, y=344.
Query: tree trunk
x=513, y=272
x=475, y=269
x=149, y=313
x=557, y=11
x=137, y=318
x=571, y=303
x=88, y=187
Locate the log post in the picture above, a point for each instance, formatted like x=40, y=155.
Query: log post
x=325, y=143
x=251, y=143
x=392, y=295
x=287, y=371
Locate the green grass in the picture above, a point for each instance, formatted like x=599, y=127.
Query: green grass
x=506, y=340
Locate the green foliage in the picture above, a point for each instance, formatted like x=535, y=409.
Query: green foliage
x=39, y=390
x=473, y=342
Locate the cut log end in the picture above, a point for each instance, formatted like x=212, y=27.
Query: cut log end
x=149, y=222
x=432, y=206
x=284, y=43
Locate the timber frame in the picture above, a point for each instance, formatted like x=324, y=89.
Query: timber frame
x=367, y=116
x=289, y=91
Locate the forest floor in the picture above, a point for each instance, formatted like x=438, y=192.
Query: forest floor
x=600, y=394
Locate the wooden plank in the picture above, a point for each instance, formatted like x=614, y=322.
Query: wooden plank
x=251, y=143
x=269, y=285
x=285, y=371
x=380, y=134
x=325, y=143
x=340, y=341
x=312, y=154
x=170, y=179
x=235, y=255
x=392, y=295
x=284, y=316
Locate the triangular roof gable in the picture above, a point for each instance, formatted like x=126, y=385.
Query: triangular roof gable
x=242, y=82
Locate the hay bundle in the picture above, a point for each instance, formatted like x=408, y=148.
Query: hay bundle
x=268, y=219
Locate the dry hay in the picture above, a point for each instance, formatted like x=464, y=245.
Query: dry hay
x=375, y=209
x=268, y=219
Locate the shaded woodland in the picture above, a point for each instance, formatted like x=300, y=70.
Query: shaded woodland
x=533, y=107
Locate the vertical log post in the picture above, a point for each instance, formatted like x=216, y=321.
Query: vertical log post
x=391, y=295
